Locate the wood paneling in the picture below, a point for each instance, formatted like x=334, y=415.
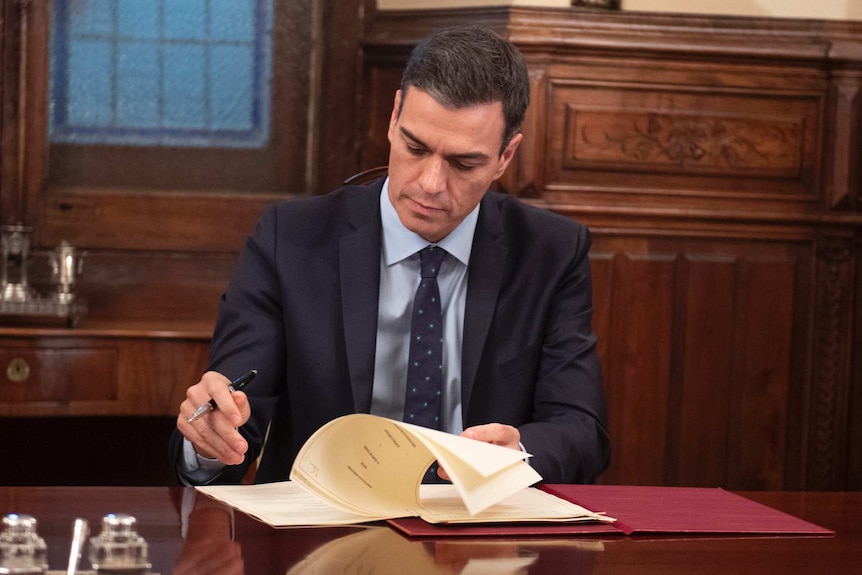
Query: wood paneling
x=697, y=340
x=702, y=383
x=159, y=231
x=715, y=161
x=853, y=472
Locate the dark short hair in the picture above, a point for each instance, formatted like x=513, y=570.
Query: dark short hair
x=468, y=65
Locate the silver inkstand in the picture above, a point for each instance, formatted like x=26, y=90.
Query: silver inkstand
x=19, y=300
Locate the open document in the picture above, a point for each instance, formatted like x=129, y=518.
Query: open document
x=362, y=467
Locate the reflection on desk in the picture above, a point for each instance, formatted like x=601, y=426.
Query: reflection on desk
x=210, y=538
x=368, y=550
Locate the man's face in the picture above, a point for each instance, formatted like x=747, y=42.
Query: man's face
x=442, y=161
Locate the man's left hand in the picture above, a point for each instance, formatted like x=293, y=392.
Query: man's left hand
x=495, y=433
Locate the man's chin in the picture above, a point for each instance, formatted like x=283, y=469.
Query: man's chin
x=426, y=229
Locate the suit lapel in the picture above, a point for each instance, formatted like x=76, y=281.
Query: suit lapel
x=359, y=266
x=485, y=274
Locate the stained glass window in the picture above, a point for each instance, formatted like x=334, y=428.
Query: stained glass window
x=191, y=73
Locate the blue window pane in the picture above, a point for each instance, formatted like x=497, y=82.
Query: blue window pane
x=232, y=20
x=93, y=17
x=138, y=87
x=89, y=90
x=232, y=87
x=138, y=19
x=186, y=19
x=161, y=72
x=183, y=87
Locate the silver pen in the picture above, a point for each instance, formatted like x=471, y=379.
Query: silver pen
x=235, y=385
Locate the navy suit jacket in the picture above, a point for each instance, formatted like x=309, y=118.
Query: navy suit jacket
x=301, y=308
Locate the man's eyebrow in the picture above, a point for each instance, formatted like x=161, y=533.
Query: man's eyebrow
x=464, y=156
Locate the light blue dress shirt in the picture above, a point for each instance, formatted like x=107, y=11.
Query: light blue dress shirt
x=399, y=279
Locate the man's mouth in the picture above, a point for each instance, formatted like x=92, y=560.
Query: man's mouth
x=424, y=208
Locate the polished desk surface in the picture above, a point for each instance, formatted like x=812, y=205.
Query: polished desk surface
x=217, y=541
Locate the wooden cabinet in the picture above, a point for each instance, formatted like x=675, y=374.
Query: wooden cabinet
x=93, y=406
x=92, y=372
x=57, y=374
x=715, y=161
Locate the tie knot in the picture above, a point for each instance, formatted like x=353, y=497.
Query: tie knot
x=431, y=257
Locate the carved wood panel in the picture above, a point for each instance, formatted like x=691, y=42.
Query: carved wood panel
x=833, y=348
x=682, y=141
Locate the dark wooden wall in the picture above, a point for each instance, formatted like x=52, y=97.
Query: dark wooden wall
x=714, y=159
x=716, y=163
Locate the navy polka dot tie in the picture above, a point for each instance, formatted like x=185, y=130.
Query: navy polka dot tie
x=425, y=367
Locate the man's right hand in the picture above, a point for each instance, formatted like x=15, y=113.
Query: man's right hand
x=214, y=435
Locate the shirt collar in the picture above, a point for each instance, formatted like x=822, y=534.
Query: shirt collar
x=400, y=243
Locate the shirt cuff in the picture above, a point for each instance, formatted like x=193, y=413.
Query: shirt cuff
x=195, y=467
x=524, y=450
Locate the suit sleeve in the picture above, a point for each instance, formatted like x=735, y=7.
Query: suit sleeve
x=249, y=334
x=567, y=430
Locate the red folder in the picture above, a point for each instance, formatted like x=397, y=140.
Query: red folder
x=415, y=527
x=694, y=510
x=640, y=510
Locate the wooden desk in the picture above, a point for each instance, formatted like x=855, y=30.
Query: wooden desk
x=269, y=551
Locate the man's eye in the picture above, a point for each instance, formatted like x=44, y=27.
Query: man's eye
x=415, y=151
x=462, y=167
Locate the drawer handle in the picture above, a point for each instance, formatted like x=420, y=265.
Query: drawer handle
x=18, y=370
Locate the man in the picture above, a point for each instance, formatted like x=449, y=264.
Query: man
x=322, y=297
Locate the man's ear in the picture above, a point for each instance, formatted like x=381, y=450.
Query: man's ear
x=508, y=154
x=393, y=119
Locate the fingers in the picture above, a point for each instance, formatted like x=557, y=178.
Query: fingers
x=215, y=386
x=441, y=473
x=214, y=435
x=496, y=433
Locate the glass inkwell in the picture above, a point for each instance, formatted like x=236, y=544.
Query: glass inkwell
x=119, y=549
x=22, y=551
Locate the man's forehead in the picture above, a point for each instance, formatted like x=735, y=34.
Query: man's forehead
x=468, y=129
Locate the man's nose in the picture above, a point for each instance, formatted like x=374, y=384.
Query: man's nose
x=433, y=177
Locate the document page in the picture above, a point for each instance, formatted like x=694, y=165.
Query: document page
x=288, y=504
x=374, y=465
x=482, y=473
x=283, y=504
x=368, y=465
x=441, y=504
x=363, y=467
